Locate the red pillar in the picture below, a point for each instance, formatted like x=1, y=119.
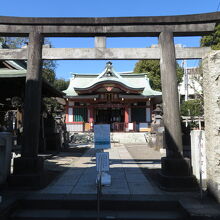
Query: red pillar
x=91, y=115
x=126, y=116
x=67, y=111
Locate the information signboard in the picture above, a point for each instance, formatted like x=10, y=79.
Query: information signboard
x=102, y=136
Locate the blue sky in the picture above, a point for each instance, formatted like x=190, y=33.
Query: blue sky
x=102, y=8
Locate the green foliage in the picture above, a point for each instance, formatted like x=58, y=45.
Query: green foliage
x=192, y=108
x=51, y=105
x=212, y=40
x=61, y=84
x=48, y=71
x=1, y=39
x=152, y=68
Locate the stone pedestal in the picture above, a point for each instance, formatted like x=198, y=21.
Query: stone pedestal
x=5, y=156
x=53, y=142
x=28, y=173
x=176, y=175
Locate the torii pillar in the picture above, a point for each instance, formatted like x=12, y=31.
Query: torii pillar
x=29, y=169
x=175, y=173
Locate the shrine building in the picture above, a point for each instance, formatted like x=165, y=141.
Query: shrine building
x=123, y=100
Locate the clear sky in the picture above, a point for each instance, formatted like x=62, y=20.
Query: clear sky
x=102, y=8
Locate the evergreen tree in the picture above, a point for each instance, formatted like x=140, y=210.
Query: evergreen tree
x=212, y=40
x=61, y=84
x=152, y=69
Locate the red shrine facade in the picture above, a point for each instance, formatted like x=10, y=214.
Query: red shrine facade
x=123, y=100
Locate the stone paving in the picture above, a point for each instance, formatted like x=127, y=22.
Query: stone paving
x=127, y=178
x=126, y=165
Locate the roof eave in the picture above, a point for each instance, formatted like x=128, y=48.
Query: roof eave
x=138, y=96
x=85, y=89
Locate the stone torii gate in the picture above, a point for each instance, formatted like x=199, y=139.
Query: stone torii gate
x=28, y=169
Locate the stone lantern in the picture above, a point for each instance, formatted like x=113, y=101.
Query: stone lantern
x=157, y=128
x=158, y=114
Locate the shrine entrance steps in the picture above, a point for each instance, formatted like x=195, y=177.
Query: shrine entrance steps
x=116, y=137
x=113, y=207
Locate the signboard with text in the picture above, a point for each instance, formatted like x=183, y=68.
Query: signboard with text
x=102, y=136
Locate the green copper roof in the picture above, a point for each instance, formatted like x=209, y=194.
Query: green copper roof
x=19, y=71
x=132, y=81
x=9, y=73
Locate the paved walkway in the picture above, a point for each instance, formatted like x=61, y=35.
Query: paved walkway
x=80, y=178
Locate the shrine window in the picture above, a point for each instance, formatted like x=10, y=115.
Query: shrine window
x=80, y=115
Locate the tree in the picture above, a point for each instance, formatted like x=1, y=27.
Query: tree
x=48, y=71
x=212, y=40
x=152, y=69
x=61, y=84
x=1, y=39
x=192, y=107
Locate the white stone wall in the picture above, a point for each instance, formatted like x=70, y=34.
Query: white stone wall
x=211, y=83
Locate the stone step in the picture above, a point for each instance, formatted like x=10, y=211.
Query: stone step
x=46, y=214
x=106, y=204
x=67, y=207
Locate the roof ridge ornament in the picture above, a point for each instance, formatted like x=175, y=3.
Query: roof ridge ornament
x=109, y=69
x=109, y=72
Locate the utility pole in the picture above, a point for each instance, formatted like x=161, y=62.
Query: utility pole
x=186, y=80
